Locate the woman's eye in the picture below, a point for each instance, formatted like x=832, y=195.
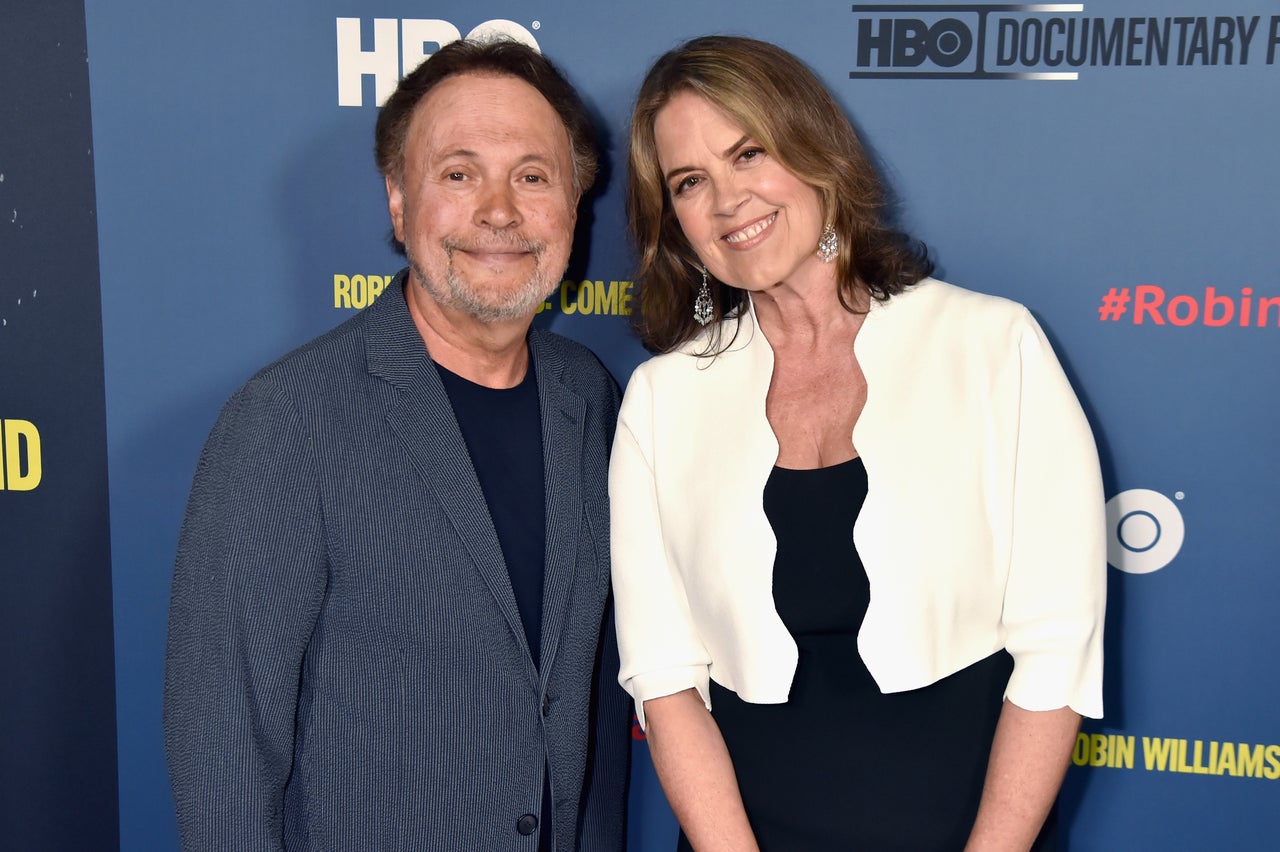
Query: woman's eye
x=688, y=183
x=533, y=179
x=457, y=176
x=751, y=154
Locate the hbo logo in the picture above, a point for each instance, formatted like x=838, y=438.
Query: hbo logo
x=1144, y=531
x=399, y=46
x=908, y=42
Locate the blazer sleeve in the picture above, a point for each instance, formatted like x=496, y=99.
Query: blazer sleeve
x=1056, y=589
x=247, y=587
x=658, y=644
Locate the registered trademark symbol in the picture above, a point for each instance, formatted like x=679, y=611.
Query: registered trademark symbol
x=1178, y=495
x=537, y=25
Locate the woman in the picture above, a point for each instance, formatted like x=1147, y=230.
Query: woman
x=919, y=683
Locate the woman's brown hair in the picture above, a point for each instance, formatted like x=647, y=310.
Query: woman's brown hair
x=783, y=106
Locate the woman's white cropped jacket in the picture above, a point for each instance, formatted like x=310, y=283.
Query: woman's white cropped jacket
x=983, y=526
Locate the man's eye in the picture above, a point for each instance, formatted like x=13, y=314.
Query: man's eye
x=533, y=179
x=457, y=176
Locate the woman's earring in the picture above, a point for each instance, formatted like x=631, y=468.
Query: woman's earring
x=703, y=309
x=828, y=245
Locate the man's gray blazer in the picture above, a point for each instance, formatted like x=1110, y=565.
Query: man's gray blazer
x=346, y=667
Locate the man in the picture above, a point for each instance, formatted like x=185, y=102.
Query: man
x=389, y=625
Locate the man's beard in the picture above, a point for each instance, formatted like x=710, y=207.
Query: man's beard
x=461, y=296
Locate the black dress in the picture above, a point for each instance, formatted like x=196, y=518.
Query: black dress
x=842, y=766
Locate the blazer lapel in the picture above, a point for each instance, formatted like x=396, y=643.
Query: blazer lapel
x=563, y=416
x=423, y=420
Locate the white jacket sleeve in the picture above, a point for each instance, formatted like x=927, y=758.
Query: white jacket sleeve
x=658, y=645
x=1056, y=589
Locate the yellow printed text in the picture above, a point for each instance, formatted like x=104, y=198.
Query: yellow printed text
x=1111, y=750
x=596, y=297
x=1201, y=757
x=358, y=291
x=20, y=465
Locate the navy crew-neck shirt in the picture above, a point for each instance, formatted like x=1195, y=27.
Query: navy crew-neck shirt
x=502, y=428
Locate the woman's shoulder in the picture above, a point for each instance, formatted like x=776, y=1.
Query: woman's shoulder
x=717, y=344
x=934, y=291
x=936, y=302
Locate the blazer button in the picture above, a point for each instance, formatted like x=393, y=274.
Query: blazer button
x=546, y=706
x=527, y=824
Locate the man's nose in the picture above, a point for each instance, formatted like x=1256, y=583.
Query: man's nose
x=497, y=206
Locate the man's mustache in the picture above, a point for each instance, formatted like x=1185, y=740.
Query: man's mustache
x=497, y=241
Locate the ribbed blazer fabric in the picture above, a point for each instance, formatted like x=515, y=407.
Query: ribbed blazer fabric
x=346, y=667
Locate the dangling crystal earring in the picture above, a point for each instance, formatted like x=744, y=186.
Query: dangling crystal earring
x=828, y=245
x=702, y=306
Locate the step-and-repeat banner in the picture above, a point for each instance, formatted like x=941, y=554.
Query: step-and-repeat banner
x=1110, y=164
x=57, y=677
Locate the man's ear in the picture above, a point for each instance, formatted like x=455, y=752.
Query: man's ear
x=395, y=205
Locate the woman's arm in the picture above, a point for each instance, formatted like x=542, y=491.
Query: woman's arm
x=1029, y=758
x=696, y=773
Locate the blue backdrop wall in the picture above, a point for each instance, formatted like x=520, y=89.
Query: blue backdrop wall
x=1110, y=164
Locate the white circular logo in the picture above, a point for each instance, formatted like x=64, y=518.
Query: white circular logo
x=502, y=28
x=1144, y=531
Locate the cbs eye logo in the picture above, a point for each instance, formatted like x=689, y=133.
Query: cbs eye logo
x=1144, y=531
